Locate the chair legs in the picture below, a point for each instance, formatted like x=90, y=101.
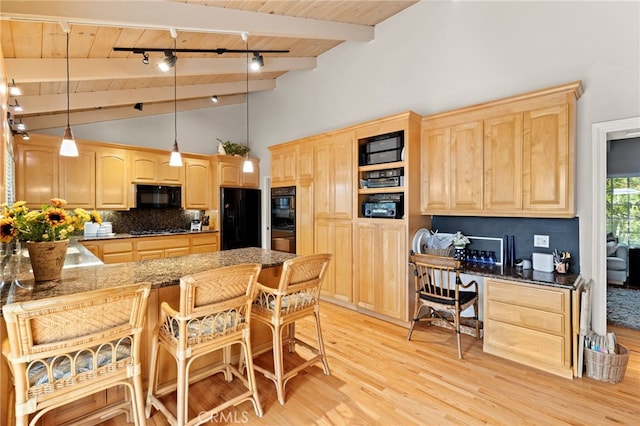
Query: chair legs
x=279, y=376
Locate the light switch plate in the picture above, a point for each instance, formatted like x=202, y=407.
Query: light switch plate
x=541, y=241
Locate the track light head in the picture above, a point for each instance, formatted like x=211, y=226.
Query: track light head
x=257, y=61
x=138, y=106
x=214, y=99
x=168, y=62
x=25, y=136
x=145, y=58
x=16, y=107
x=13, y=89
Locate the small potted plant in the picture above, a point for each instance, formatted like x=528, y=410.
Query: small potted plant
x=459, y=242
x=231, y=148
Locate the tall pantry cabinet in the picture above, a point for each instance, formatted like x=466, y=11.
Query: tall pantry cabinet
x=369, y=270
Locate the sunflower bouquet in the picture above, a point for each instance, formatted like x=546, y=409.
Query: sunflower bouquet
x=51, y=223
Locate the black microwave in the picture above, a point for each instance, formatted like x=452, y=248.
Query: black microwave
x=158, y=197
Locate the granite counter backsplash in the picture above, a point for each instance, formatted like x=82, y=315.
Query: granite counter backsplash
x=159, y=272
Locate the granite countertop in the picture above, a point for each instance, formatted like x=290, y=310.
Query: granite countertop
x=527, y=276
x=85, y=272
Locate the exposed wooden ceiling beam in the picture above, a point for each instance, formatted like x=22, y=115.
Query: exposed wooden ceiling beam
x=107, y=114
x=88, y=100
x=184, y=17
x=36, y=70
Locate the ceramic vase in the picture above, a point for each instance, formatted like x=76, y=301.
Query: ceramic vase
x=460, y=253
x=47, y=259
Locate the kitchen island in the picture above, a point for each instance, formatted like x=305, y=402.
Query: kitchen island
x=85, y=272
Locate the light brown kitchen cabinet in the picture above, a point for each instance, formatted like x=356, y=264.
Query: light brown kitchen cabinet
x=380, y=277
x=42, y=174
x=116, y=251
x=283, y=165
x=304, y=218
x=197, y=193
x=204, y=243
x=113, y=186
x=161, y=247
x=510, y=157
x=336, y=239
x=529, y=324
x=230, y=172
x=153, y=168
x=333, y=174
x=549, y=159
x=306, y=164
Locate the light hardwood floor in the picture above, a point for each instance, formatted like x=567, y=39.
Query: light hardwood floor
x=378, y=377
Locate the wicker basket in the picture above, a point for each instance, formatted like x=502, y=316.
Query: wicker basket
x=438, y=252
x=607, y=367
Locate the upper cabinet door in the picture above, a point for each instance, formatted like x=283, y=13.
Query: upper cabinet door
x=548, y=160
x=503, y=163
x=37, y=174
x=113, y=185
x=434, y=167
x=197, y=177
x=466, y=166
x=154, y=168
x=333, y=177
x=283, y=166
x=78, y=179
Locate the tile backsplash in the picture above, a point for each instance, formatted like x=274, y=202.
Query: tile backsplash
x=148, y=219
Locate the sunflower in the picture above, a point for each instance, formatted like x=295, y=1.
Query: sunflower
x=56, y=217
x=8, y=230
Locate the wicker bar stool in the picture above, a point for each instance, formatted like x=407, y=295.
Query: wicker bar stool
x=215, y=314
x=64, y=348
x=297, y=296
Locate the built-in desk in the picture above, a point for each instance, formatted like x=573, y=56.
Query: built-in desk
x=85, y=273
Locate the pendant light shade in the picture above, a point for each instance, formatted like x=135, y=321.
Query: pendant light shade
x=68, y=146
x=247, y=167
x=176, y=158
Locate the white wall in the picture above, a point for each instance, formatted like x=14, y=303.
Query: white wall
x=197, y=129
x=436, y=56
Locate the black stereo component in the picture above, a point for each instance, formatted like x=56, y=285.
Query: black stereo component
x=386, y=148
x=389, y=209
x=374, y=174
x=384, y=182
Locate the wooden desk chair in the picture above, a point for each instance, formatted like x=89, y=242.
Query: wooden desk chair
x=297, y=296
x=439, y=294
x=64, y=348
x=215, y=314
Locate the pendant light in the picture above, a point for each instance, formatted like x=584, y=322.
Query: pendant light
x=248, y=164
x=68, y=147
x=176, y=158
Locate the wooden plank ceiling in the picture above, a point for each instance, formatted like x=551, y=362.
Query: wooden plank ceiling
x=106, y=84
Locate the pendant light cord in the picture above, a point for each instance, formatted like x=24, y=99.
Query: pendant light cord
x=247, y=100
x=67, y=78
x=175, y=95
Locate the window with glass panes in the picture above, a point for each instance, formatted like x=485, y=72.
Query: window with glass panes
x=623, y=209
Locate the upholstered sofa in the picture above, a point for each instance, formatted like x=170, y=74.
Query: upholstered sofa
x=617, y=261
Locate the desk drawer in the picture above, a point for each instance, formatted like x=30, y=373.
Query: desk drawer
x=534, y=319
x=537, y=297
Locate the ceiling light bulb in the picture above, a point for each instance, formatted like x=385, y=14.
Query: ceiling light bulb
x=257, y=61
x=13, y=89
x=214, y=99
x=16, y=107
x=20, y=125
x=168, y=62
x=145, y=58
x=25, y=136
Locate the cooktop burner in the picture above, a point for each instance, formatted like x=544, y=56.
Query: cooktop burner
x=159, y=231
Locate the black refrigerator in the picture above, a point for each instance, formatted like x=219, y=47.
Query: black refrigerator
x=241, y=218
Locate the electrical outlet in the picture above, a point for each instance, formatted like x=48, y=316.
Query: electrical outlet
x=541, y=241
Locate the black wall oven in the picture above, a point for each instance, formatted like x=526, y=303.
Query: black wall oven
x=283, y=219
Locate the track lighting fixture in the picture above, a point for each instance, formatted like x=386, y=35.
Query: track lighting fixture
x=138, y=106
x=16, y=107
x=13, y=89
x=214, y=99
x=25, y=136
x=68, y=147
x=20, y=125
x=168, y=62
x=145, y=58
x=257, y=61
